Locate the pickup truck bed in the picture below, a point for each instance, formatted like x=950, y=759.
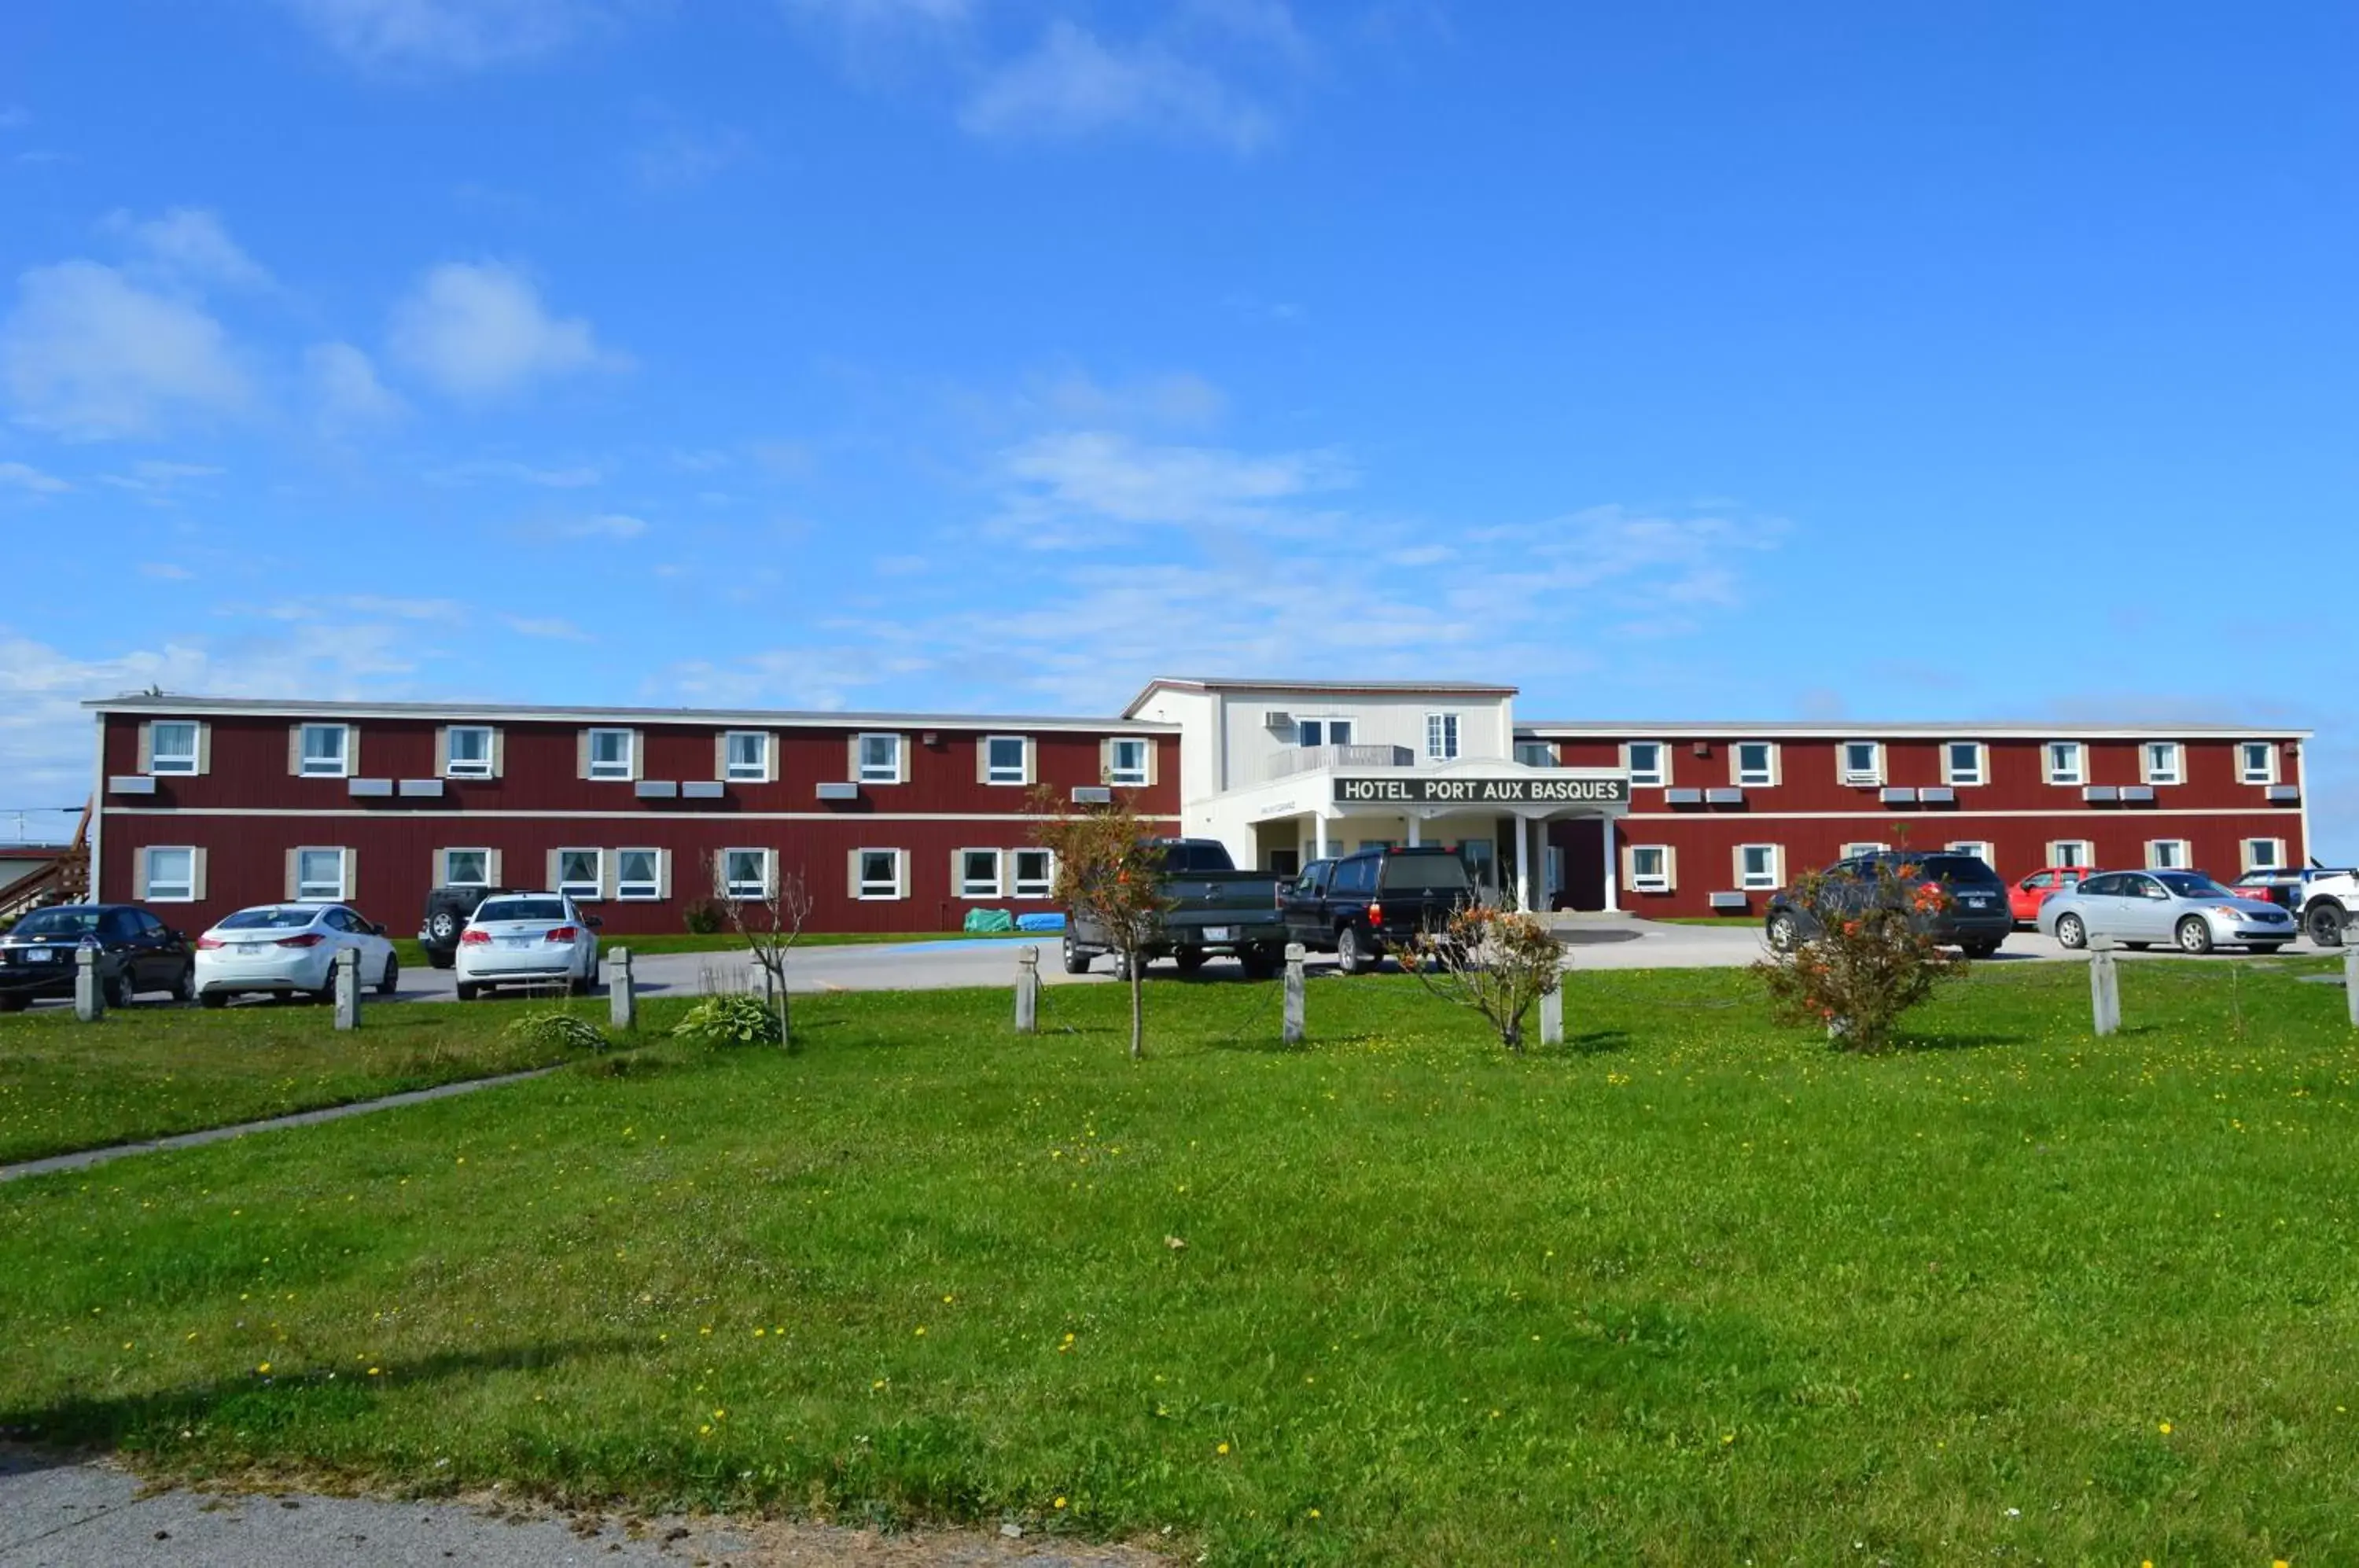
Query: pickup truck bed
x=1214, y=908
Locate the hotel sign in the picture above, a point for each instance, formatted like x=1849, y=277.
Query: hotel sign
x=1522, y=790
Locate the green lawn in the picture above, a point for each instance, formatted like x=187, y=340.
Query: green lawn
x=156, y=1070
x=1690, y=1290
x=414, y=956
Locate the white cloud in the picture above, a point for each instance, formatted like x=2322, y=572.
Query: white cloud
x=89, y=354
x=478, y=330
x=549, y=628
x=157, y=480
x=465, y=35
x=608, y=525
x=1179, y=400
x=1094, y=477
x=189, y=243
x=25, y=476
x=1074, y=85
x=345, y=392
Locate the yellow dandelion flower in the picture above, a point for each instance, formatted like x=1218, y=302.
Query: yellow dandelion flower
x=2163, y=1427
x=921, y=1331
x=1223, y=1449
x=1060, y=1502
x=1314, y=1513
x=265, y=1368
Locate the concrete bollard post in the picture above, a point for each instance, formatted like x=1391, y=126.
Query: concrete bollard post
x=1291, y=1031
x=1027, y=990
x=90, y=996
x=2351, y=973
x=2104, y=988
x=1552, y=1014
x=348, y=989
x=622, y=994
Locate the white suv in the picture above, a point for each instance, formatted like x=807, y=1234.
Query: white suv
x=2329, y=903
x=527, y=939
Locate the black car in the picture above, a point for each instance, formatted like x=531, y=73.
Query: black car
x=1358, y=906
x=1976, y=920
x=448, y=909
x=136, y=953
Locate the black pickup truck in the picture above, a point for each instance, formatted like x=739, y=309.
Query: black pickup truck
x=1358, y=906
x=1214, y=908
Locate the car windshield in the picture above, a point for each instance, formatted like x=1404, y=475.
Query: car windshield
x=269, y=919
x=1423, y=874
x=521, y=910
x=59, y=922
x=2188, y=885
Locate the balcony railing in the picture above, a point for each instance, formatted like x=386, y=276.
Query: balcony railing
x=1303, y=759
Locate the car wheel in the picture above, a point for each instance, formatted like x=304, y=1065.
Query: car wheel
x=213, y=999
x=2265, y=948
x=1784, y=931
x=1350, y=955
x=1189, y=959
x=184, y=989
x=1257, y=963
x=12, y=1003
x=1076, y=960
x=2070, y=933
x=442, y=960
x=390, y=981
x=467, y=992
x=1129, y=966
x=444, y=927
x=2323, y=924
x=2193, y=935
x=118, y=990
x=1979, y=949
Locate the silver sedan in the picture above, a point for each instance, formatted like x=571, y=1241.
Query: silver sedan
x=2185, y=909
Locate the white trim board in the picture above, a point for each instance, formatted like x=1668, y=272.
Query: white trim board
x=402, y=816
x=2076, y=814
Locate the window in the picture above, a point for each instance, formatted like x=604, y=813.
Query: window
x=879, y=759
x=2072, y=854
x=1964, y=762
x=1649, y=762
x=1534, y=754
x=610, y=753
x=1650, y=868
x=978, y=873
x=1853, y=851
x=1979, y=848
x=877, y=873
x=1126, y=760
x=1004, y=760
x=1757, y=865
x=580, y=872
x=325, y=751
x=745, y=756
x=1036, y=873
x=171, y=747
x=745, y=873
x=2159, y=762
x=170, y=874
x=1862, y=762
x=638, y=875
x=470, y=751
x=1754, y=762
x=2264, y=853
x=1441, y=738
x=2067, y=762
x=466, y=868
x=318, y=875
x=2257, y=762
x=2166, y=854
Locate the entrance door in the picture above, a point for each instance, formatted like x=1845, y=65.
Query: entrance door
x=1581, y=875
x=1285, y=862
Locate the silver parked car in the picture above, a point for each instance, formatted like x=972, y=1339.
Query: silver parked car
x=2186, y=909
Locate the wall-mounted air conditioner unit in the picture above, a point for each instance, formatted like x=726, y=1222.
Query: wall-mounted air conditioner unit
x=1277, y=719
x=833, y=790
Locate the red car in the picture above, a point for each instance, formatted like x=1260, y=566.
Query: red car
x=2025, y=898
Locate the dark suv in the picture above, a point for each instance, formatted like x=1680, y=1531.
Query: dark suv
x=1361, y=904
x=448, y=911
x=1976, y=918
x=137, y=953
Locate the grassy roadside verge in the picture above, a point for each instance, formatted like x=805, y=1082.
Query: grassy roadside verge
x=414, y=956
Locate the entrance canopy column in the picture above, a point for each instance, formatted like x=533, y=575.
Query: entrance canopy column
x=1523, y=862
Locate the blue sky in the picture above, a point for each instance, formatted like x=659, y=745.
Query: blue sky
x=1721, y=360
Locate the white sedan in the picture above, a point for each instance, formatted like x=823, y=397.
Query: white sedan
x=290, y=950
x=527, y=939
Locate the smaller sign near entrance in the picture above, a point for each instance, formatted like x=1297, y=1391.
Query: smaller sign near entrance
x=1524, y=791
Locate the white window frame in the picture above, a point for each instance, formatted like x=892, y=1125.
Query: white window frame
x=1853, y=851
x=1656, y=881
x=304, y=888
x=993, y=774
x=865, y=772
x=1443, y=734
x=442, y=872
x=743, y=889
x=1657, y=778
x=2276, y=854
x=155, y=892
x=1023, y=887
x=2072, y=778
x=2084, y=853
x=178, y=765
x=2268, y=772
x=1543, y=752
x=1982, y=849
x=2176, y=773
x=342, y=767
x=597, y=881
x=639, y=890
x=971, y=888
x=864, y=889
x=754, y=772
x=1743, y=779
x=1872, y=775
x=1117, y=773
x=457, y=766
x=1775, y=875
x=614, y=772
x=2153, y=857
x=1949, y=772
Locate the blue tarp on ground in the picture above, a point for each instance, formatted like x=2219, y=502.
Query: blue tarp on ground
x=1041, y=922
x=985, y=922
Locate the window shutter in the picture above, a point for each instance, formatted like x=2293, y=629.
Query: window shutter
x=351, y=754
x=957, y=873
x=1670, y=868
x=581, y=754
x=901, y=759
x=770, y=756
x=1105, y=760
x=351, y=886
x=1031, y=760
x=294, y=753
x=204, y=746
x=492, y=868
x=719, y=859
x=638, y=754
x=1629, y=866
x=852, y=770
x=900, y=874
x=983, y=759
x=663, y=874
x=499, y=754
x=147, y=756
x=770, y=872
x=852, y=871
x=1153, y=748
x=551, y=883
x=291, y=875
x=610, y=866
x=197, y=873
x=139, y=876
x=441, y=750
x=436, y=874
x=721, y=753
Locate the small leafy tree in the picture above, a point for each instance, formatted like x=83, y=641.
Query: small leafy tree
x=1873, y=958
x=770, y=922
x=1494, y=958
x=1110, y=878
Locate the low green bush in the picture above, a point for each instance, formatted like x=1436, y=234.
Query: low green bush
x=552, y=1030
x=702, y=918
x=729, y=1020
